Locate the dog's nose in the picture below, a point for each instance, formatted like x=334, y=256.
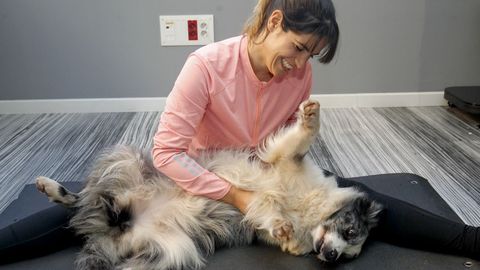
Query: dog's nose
x=331, y=255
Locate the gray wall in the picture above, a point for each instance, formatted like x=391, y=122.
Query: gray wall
x=404, y=46
x=111, y=48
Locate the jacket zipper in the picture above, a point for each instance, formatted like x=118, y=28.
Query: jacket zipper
x=257, y=115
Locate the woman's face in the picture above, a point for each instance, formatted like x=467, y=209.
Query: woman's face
x=285, y=51
x=282, y=51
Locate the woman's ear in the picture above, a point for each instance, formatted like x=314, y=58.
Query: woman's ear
x=275, y=20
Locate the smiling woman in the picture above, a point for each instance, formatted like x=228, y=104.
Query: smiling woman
x=236, y=92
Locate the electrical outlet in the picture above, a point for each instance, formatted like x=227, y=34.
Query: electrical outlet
x=192, y=30
x=185, y=30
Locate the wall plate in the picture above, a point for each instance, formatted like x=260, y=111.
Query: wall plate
x=186, y=30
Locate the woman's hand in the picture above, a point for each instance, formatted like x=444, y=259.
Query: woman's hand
x=239, y=198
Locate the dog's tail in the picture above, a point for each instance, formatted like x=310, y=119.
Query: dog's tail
x=56, y=192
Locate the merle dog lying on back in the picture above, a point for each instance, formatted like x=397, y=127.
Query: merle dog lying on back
x=134, y=217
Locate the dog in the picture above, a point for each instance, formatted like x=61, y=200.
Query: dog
x=133, y=217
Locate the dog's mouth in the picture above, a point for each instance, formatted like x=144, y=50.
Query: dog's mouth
x=318, y=245
x=318, y=237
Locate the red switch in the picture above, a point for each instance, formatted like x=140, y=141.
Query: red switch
x=192, y=30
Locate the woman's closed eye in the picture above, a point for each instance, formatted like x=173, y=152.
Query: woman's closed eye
x=299, y=48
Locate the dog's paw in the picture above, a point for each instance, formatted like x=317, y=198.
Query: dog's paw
x=295, y=248
x=47, y=186
x=282, y=230
x=310, y=115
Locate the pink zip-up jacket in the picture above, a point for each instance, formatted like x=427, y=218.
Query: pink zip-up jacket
x=218, y=102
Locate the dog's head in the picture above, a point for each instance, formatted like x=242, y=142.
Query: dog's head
x=345, y=231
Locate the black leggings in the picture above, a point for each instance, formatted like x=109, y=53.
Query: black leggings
x=407, y=225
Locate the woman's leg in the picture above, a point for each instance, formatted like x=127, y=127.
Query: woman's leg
x=407, y=225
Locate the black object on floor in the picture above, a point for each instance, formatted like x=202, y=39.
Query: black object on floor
x=466, y=98
x=32, y=209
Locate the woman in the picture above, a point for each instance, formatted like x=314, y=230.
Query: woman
x=233, y=93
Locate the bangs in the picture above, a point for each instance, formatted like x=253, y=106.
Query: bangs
x=316, y=41
x=321, y=27
x=331, y=36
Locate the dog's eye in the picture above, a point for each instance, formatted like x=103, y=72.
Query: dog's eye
x=350, y=233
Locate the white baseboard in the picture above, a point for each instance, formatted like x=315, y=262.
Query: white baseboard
x=87, y=105
x=403, y=99
x=370, y=100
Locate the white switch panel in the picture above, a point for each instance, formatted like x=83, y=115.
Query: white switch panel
x=184, y=30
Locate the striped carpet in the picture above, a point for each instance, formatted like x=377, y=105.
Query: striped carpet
x=428, y=141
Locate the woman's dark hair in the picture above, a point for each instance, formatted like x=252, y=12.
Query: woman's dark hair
x=315, y=17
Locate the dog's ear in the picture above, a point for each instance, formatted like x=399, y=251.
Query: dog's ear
x=374, y=213
x=371, y=211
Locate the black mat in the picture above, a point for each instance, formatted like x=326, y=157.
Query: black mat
x=466, y=98
x=31, y=214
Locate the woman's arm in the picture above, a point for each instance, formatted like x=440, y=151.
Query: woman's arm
x=239, y=198
x=184, y=111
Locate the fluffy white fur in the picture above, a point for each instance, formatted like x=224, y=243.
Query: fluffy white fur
x=134, y=217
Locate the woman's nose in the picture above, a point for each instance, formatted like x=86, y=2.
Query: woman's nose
x=302, y=59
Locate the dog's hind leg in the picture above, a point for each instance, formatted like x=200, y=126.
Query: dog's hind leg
x=294, y=141
x=56, y=192
x=93, y=257
x=167, y=252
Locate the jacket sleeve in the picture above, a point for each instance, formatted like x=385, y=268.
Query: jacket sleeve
x=184, y=110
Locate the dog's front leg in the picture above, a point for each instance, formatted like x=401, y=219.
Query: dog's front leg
x=265, y=212
x=292, y=143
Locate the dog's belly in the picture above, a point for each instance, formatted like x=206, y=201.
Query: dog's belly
x=245, y=172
